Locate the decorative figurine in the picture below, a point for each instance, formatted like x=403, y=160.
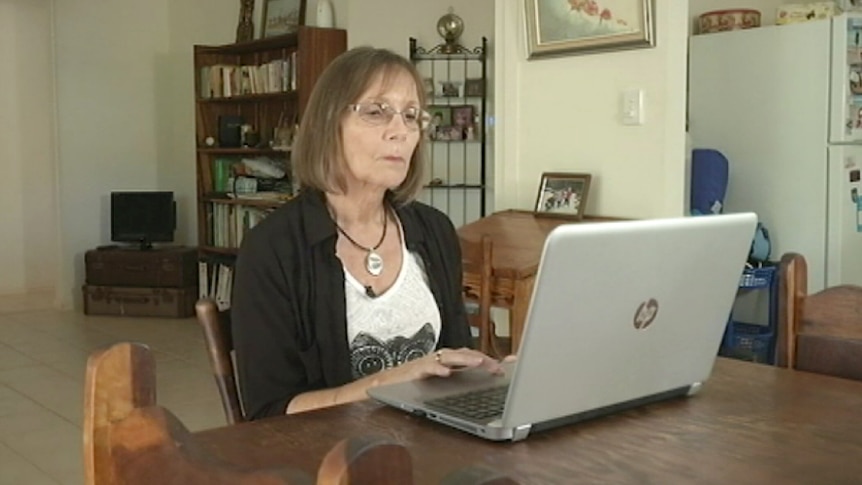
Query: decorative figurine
x=450, y=27
x=245, y=29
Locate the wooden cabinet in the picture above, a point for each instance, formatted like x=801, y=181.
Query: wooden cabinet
x=250, y=96
x=159, y=282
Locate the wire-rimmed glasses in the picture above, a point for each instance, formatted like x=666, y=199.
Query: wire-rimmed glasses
x=376, y=113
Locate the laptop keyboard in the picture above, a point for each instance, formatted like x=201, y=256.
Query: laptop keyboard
x=479, y=404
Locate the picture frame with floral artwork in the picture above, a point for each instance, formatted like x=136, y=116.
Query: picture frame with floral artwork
x=572, y=27
x=563, y=194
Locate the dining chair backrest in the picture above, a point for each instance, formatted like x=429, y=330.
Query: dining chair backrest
x=216, y=328
x=820, y=332
x=130, y=440
x=476, y=257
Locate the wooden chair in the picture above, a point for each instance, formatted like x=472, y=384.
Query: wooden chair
x=821, y=332
x=219, y=342
x=130, y=440
x=476, y=257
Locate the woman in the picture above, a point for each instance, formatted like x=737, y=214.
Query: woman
x=352, y=284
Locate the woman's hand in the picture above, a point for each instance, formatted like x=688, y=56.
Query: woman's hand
x=440, y=363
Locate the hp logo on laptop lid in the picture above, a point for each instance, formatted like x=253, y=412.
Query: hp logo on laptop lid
x=645, y=314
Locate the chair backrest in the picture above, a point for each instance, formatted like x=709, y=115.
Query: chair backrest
x=476, y=257
x=130, y=440
x=821, y=332
x=118, y=380
x=219, y=342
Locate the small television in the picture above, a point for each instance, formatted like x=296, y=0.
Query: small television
x=143, y=217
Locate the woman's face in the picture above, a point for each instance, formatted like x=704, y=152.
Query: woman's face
x=377, y=150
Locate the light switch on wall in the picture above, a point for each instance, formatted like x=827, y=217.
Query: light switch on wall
x=633, y=107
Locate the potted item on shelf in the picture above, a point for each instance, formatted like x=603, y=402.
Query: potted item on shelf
x=724, y=20
x=803, y=12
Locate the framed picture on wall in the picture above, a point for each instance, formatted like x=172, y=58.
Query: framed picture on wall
x=584, y=26
x=281, y=17
x=563, y=195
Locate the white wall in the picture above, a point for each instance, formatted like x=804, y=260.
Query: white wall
x=106, y=57
x=562, y=114
x=125, y=83
x=419, y=20
x=28, y=239
x=126, y=112
x=125, y=109
x=175, y=85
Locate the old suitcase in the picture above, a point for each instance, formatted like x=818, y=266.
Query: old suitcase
x=139, y=302
x=171, y=267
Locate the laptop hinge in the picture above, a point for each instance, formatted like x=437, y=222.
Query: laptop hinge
x=521, y=432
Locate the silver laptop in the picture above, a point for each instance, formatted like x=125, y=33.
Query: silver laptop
x=622, y=314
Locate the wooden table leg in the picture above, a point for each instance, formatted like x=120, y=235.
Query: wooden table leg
x=518, y=313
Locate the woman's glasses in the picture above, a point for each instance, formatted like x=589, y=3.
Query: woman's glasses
x=382, y=114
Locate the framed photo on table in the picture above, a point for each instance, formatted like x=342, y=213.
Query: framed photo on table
x=281, y=17
x=563, y=195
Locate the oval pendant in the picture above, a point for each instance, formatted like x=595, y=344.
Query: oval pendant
x=373, y=263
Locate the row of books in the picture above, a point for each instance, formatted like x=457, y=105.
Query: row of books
x=215, y=280
x=231, y=222
x=227, y=80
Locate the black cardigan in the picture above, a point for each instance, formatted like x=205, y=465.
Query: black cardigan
x=288, y=312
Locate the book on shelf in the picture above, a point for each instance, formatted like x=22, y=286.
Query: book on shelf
x=215, y=282
x=230, y=223
x=228, y=80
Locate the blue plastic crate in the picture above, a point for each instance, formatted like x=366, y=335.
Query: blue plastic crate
x=753, y=278
x=748, y=341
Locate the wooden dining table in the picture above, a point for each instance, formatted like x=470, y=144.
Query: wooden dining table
x=518, y=237
x=751, y=423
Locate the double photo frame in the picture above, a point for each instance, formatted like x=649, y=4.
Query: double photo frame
x=563, y=195
x=452, y=122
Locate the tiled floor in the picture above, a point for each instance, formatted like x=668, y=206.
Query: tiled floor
x=43, y=354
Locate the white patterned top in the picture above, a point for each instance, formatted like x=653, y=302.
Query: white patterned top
x=400, y=325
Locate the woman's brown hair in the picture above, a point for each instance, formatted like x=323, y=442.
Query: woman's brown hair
x=318, y=159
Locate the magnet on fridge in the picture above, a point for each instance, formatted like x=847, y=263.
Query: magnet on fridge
x=854, y=175
x=858, y=213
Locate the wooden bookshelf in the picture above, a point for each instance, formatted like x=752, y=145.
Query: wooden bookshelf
x=265, y=82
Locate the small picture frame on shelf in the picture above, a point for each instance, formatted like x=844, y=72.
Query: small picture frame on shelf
x=282, y=17
x=441, y=115
x=450, y=89
x=449, y=133
x=474, y=87
x=440, y=133
x=463, y=115
x=563, y=195
x=428, y=85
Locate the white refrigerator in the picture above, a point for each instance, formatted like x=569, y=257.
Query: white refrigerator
x=784, y=104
